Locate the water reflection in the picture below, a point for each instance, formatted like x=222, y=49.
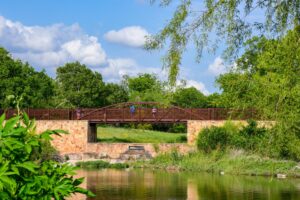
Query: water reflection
x=146, y=184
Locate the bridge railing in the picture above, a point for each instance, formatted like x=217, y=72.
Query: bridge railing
x=141, y=114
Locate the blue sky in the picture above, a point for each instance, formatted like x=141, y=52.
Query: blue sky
x=106, y=35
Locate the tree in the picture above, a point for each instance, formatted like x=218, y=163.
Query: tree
x=146, y=87
x=115, y=93
x=211, y=22
x=267, y=77
x=80, y=86
x=189, y=98
x=19, y=80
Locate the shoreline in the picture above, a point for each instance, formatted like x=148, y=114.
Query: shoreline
x=216, y=163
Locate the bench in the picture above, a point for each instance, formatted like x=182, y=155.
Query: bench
x=139, y=148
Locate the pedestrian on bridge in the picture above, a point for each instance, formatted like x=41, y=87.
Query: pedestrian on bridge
x=78, y=113
x=132, y=110
x=154, y=111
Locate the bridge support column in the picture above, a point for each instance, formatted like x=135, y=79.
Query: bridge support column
x=92, y=133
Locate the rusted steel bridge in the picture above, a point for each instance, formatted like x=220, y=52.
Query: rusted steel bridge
x=143, y=113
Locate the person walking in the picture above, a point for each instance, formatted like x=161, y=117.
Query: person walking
x=78, y=113
x=154, y=111
x=132, y=110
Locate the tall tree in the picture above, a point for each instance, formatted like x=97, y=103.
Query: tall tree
x=115, y=93
x=209, y=22
x=20, y=81
x=189, y=98
x=80, y=85
x=146, y=87
x=267, y=77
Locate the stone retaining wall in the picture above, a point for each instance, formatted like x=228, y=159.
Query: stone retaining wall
x=74, y=142
x=79, y=143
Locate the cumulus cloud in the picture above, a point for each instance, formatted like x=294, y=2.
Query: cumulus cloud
x=133, y=36
x=198, y=85
x=50, y=45
x=217, y=67
x=119, y=67
x=192, y=83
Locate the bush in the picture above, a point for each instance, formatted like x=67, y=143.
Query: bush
x=250, y=137
x=178, y=128
x=182, y=138
x=213, y=138
x=144, y=126
x=282, y=144
x=27, y=174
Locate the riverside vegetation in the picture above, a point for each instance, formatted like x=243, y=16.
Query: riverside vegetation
x=235, y=149
x=232, y=148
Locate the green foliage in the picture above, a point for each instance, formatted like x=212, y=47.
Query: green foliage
x=250, y=137
x=100, y=164
x=229, y=161
x=178, y=128
x=273, y=142
x=26, y=174
x=213, y=138
x=146, y=87
x=80, y=85
x=267, y=78
x=282, y=144
x=19, y=80
x=217, y=22
x=115, y=93
x=189, y=98
x=144, y=126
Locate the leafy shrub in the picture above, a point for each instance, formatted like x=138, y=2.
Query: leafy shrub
x=178, y=128
x=182, y=138
x=213, y=138
x=175, y=156
x=281, y=143
x=26, y=174
x=250, y=137
x=144, y=126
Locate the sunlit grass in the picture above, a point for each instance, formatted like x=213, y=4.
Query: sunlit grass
x=127, y=135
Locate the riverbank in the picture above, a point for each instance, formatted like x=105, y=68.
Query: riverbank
x=234, y=162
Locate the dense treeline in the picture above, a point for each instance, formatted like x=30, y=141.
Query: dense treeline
x=76, y=85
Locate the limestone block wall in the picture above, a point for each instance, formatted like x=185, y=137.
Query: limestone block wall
x=81, y=142
x=114, y=150
x=195, y=126
x=74, y=142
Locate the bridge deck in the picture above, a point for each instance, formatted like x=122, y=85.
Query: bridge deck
x=141, y=114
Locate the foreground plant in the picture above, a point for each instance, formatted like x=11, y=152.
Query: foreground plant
x=24, y=174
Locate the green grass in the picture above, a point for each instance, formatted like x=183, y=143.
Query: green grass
x=100, y=164
x=229, y=162
x=126, y=135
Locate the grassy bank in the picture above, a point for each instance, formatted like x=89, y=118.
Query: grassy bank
x=113, y=134
x=99, y=164
x=229, y=162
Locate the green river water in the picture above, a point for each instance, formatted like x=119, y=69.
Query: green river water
x=135, y=184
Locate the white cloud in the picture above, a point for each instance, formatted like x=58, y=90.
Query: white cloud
x=119, y=67
x=198, y=85
x=192, y=83
x=50, y=46
x=134, y=36
x=217, y=67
